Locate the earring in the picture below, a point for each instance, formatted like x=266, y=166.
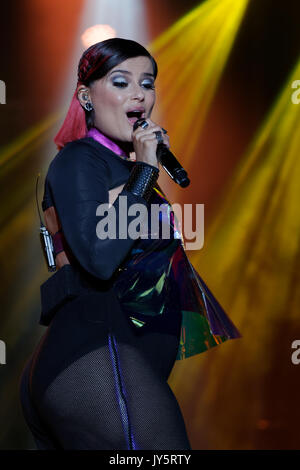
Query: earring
x=88, y=106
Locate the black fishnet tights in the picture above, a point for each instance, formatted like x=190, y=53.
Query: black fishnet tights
x=99, y=383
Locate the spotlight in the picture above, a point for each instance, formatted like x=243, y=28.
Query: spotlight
x=97, y=33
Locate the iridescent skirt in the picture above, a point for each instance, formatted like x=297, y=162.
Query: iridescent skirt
x=157, y=277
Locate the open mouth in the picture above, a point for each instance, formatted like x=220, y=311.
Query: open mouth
x=133, y=116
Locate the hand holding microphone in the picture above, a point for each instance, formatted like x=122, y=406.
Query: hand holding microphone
x=145, y=141
x=151, y=146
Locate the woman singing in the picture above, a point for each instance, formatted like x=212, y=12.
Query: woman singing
x=114, y=307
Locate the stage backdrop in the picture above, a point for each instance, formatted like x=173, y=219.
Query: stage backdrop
x=227, y=92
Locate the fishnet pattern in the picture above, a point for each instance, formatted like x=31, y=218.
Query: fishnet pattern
x=99, y=383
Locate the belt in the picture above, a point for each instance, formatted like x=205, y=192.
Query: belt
x=67, y=283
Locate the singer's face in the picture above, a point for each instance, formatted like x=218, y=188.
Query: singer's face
x=127, y=87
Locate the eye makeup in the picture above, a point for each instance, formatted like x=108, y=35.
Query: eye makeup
x=122, y=83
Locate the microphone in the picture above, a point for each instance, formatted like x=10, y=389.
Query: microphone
x=168, y=161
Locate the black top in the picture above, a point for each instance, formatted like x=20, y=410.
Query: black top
x=78, y=180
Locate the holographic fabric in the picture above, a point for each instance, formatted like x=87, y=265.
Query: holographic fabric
x=157, y=276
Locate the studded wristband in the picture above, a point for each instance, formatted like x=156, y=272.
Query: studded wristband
x=142, y=179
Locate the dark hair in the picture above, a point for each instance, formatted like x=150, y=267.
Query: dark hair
x=100, y=58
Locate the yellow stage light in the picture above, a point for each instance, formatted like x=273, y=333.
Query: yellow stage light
x=191, y=57
x=251, y=261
